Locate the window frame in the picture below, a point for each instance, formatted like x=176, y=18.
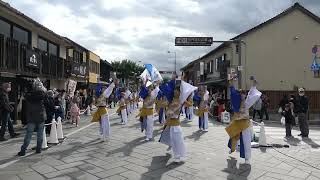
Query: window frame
x=12, y=24
x=48, y=41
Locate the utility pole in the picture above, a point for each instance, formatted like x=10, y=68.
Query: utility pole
x=175, y=60
x=240, y=64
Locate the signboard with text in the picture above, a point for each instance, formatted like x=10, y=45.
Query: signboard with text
x=79, y=69
x=193, y=41
x=32, y=59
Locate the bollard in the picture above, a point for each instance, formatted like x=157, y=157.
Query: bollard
x=44, y=142
x=53, y=134
x=59, y=129
x=262, y=136
x=88, y=112
x=251, y=130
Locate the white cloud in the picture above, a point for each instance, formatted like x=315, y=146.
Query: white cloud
x=145, y=29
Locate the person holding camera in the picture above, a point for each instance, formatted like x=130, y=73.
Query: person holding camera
x=5, y=110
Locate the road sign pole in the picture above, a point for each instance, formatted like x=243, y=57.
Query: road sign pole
x=240, y=64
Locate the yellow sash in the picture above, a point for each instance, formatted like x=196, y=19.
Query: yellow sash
x=199, y=112
x=145, y=112
x=188, y=103
x=97, y=115
x=234, y=129
x=173, y=122
x=120, y=108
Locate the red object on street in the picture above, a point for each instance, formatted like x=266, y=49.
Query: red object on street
x=221, y=109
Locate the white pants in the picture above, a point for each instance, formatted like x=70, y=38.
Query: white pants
x=190, y=112
x=173, y=136
x=183, y=110
x=204, y=123
x=163, y=120
x=124, y=116
x=105, y=126
x=149, y=130
x=246, y=138
x=206, y=120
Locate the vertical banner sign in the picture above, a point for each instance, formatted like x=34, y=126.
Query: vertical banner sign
x=71, y=87
x=201, y=68
x=314, y=66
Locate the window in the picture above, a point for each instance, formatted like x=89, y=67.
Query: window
x=53, y=49
x=47, y=46
x=237, y=48
x=94, y=67
x=20, y=35
x=207, y=70
x=42, y=44
x=4, y=28
x=78, y=56
x=12, y=30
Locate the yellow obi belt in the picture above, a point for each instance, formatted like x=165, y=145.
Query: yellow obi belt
x=173, y=122
x=120, y=108
x=100, y=112
x=199, y=112
x=188, y=103
x=234, y=129
x=145, y=112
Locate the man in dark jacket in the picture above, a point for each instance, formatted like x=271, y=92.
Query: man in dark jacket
x=302, y=107
x=36, y=116
x=49, y=105
x=5, y=110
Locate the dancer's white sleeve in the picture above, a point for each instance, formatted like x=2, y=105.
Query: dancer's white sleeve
x=154, y=93
x=253, y=96
x=109, y=90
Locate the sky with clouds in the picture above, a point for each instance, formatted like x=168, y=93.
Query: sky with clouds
x=144, y=30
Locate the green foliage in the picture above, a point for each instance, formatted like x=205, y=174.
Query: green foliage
x=127, y=69
x=166, y=79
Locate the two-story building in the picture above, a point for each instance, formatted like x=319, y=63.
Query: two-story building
x=278, y=52
x=29, y=50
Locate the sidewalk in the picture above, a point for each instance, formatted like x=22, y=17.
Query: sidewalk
x=11, y=147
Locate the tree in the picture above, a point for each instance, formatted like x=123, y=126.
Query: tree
x=128, y=70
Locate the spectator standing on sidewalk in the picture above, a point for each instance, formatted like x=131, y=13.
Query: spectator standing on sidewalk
x=5, y=110
x=265, y=106
x=257, y=109
x=49, y=105
x=58, y=110
x=289, y=119
x=36, y=115
x=302, y=107
x=283, y=102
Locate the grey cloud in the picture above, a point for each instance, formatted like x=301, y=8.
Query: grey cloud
x=222, y=19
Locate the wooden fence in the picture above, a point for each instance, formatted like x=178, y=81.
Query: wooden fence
x=276, y=96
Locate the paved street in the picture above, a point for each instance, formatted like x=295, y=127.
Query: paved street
x=127, y=156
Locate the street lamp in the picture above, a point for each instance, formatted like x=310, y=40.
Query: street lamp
x=175, y=61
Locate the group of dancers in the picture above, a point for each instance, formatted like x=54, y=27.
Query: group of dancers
x=170, y=100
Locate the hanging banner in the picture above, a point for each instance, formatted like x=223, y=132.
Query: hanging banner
x=32, y=59
x=71, y=87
